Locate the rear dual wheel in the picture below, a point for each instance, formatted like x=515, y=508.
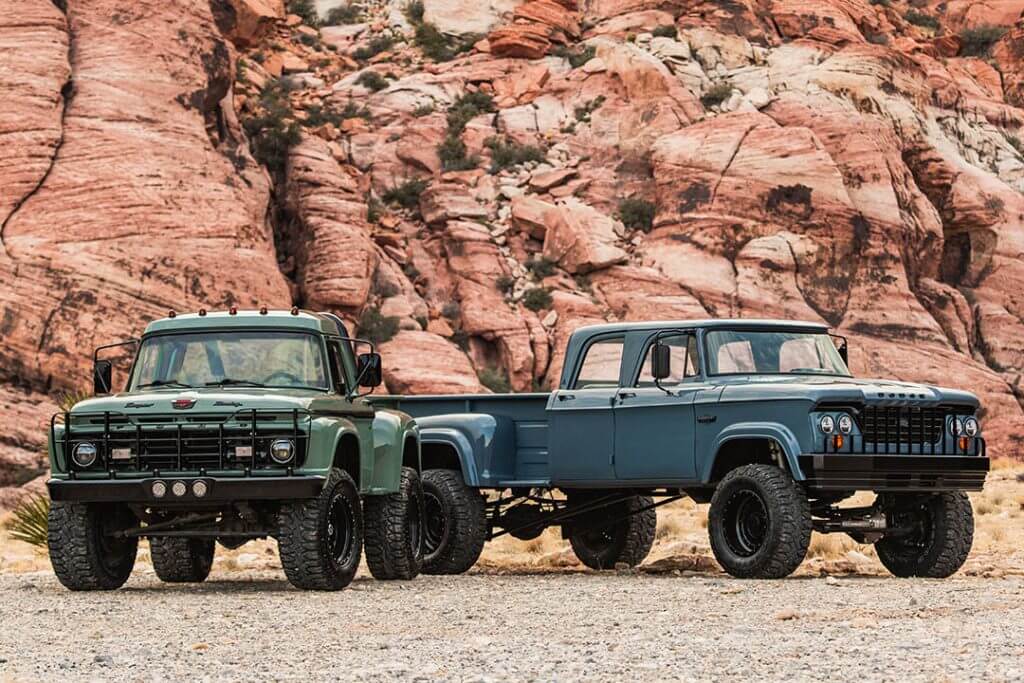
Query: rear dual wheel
x=621, y=533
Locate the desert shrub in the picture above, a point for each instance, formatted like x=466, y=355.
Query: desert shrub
x=411, y=272
x=716, y=94
x=584, y=110
x=451, y=310
x=506, y=153
x=349, y=13
x=495, y=379
x=505, y=284
x=979, y=40
x=466, y=107
x=921, y=19
x=318, y=115
x=435, y=44
x=373, y=209
x=541, y=267
x=637, y=213
x=537, y=299
x=272, y=131
x=453, y=154
x=1016, y=143
x=413, y=11
x=883, y=3
x=309, y=41
x=406, y=195
x=372, y=81
x=665, y=31
x=376, y=327
x=576, y=57
x=374, y=47
x=30, y=522
x=423, y=110
x=876, y=38
x=305, y=9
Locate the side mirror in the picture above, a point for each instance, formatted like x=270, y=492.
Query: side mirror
x=369, y=370
x=844, y=353
x=661, y=361
x=102, y=376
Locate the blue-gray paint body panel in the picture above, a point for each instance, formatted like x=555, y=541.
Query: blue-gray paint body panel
x=616, y=435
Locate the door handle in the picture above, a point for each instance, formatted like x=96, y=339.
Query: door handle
x=706, y=419
x=566, y=397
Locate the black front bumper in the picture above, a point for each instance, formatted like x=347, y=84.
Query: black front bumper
x=837, y=472
x=218, y=490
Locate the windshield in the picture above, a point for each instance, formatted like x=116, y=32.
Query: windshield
x=733, y=352
x=219, y=359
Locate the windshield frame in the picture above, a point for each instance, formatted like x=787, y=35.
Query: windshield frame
x=706, y=350
x=320, y=344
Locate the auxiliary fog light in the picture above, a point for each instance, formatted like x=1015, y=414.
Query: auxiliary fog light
x=845, y=424
x=199, y=489
x=159, y=489
x=827, y=424
x=179, y=489
x=971, y=427
x=84, y=454
x=282, y=451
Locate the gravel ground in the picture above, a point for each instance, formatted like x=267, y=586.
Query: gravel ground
x=547, y=626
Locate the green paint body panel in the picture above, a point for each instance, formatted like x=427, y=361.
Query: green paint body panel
x=382, y=435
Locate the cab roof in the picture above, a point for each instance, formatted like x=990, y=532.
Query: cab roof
x=707, y=324
x=272, y=319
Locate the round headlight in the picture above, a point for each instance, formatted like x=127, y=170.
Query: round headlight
x=281, y=451
x=827, y=424
x=956, y=426
x=84, y=454
x=845, y=424
x=971, y=427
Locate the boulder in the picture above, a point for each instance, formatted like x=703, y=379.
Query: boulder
x=247, y=22
x=525, y=41
x=581, y=238
x=447, y=201
x=424, y=363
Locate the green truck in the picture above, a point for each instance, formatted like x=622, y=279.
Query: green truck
x=234, y=426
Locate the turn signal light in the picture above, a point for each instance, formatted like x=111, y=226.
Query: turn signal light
x=837, y=441
x=964, y=443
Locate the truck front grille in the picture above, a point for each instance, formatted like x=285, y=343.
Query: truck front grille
x=894, y=424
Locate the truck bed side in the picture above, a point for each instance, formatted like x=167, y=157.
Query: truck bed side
x=499, y=440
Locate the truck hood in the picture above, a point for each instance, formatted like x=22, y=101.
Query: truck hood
x=206, y=401
x=839, y=389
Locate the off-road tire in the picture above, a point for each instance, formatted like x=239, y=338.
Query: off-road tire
x=181, y=560
x=393, y=532
x=785, y=529
x=943, y=546
x=305, y=543
x=84, y=558
x=615, y=535
x=456, y=547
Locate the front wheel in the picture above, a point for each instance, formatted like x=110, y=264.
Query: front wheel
x=621, y=533
x=937, y=532
x=84, y=552
x=759, y=523
x=320, y=540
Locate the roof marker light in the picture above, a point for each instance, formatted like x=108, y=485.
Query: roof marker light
x=263, y=310
x=295, y=310
x=202, y=312
x=171, y=314
x=233, y=310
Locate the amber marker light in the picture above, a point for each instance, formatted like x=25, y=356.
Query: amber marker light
x=837, y=441
x=233, y=310
x=964, y=443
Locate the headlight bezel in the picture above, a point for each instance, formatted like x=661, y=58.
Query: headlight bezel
x=971, y=426
x=827, y=424
x=85, y=446
x=845, y=424
x=956, y=426
x=280, y=443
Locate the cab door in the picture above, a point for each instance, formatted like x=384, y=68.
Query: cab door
x=581, y=427
x=655, y=427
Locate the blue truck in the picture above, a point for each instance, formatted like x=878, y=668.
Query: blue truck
x=762, y=419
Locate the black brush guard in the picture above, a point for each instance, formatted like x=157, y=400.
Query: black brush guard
x=193, y=442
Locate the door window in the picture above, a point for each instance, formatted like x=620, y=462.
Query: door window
x=337, y=368
x=683, y=354
x=601, y=365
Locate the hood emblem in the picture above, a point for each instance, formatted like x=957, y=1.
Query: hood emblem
x=183, y=403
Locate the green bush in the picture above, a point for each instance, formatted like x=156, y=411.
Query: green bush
x=505, y=284
x=584, y=111
x=413, y=11
x=541, y=267
x=1016, y=143
x=435, y=44
x=423, y=110
x=883, y=3
x=31, y=521
x=665, y=31
x=318, y=115
x=305, y=9
x=453, y=154
x=921, y=19
x=495, y=379
x=272, y=132
x=374, y=48
x=576, y=57
x=716, y=94
x=451, y=310
x=373, y=209
x=537, y=299
x=637, y=214
x=376, y=327
x=372, y=80
x=507, y=153
x=406, y=195
x=977, y=42
x=467, y=107
x=349, y=13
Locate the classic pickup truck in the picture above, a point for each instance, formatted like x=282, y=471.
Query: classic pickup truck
x=761, y=419
x=233, y=426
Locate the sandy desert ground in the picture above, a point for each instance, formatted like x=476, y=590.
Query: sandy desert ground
x=528, y=611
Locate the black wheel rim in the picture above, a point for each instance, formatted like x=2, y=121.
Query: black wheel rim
x=340, y=535
x=920, y=521
x=746, y=523
x=436, y=526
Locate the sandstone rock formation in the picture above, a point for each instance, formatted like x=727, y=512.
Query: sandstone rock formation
x=468, y=204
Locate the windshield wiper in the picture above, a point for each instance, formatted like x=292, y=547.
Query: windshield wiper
x=164, y=383
x=229, y=381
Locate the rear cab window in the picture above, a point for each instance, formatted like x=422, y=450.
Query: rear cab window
x=601, y=364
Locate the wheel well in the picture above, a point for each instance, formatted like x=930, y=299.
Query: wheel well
x=753, y=451
x=440, y=456
x=346, y=457
x=410, y=453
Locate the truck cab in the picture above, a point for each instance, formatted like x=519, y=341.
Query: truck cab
x=760, y=418
x=232, y=426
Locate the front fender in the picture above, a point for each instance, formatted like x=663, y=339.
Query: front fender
x=780, y=433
